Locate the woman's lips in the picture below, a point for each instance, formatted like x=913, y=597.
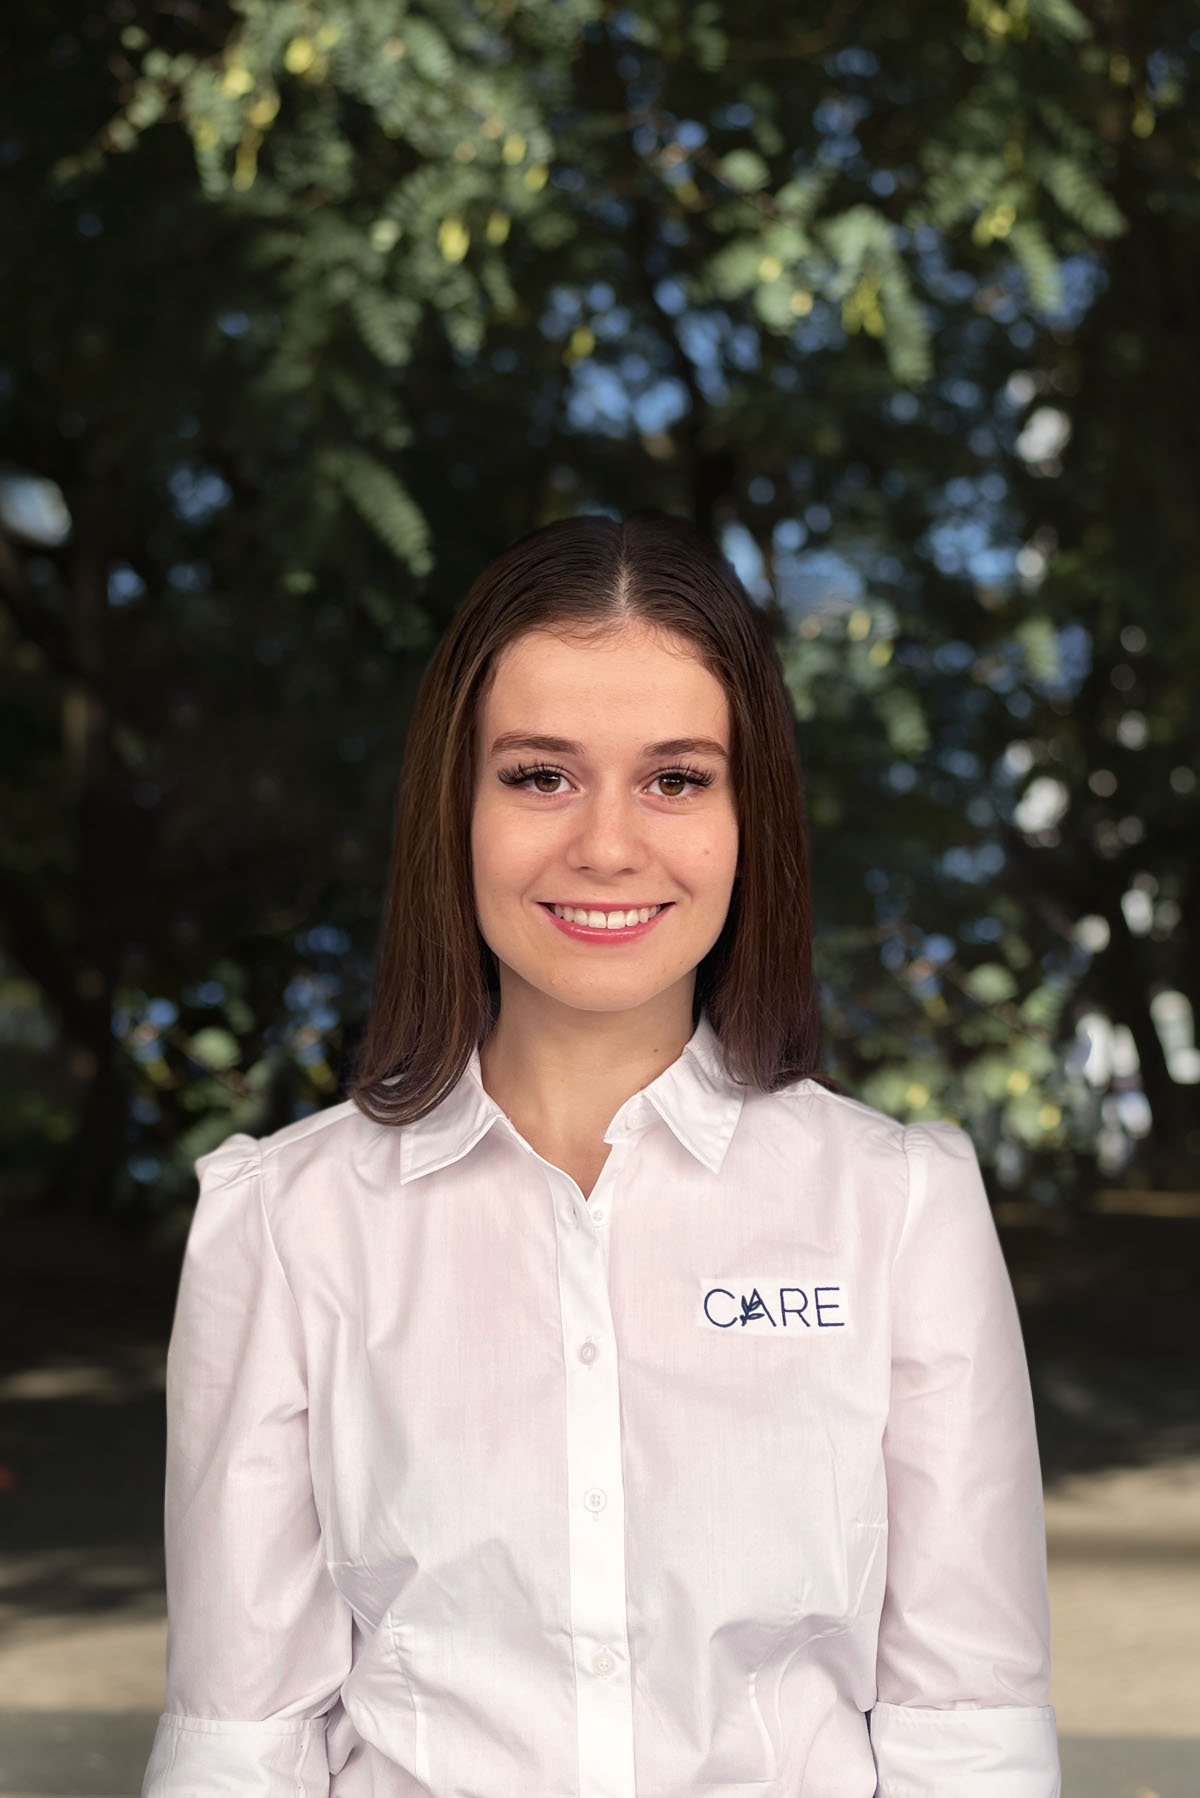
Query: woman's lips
x=587, y=933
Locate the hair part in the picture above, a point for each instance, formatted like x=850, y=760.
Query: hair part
x=436, y=991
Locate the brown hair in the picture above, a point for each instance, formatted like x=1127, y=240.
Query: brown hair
x=436, y=993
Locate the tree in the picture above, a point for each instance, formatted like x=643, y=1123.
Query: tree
x=337, y=299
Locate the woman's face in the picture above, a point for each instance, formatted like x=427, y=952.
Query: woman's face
x=605, y=822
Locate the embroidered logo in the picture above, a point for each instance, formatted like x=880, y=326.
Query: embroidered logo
x=768, y=1306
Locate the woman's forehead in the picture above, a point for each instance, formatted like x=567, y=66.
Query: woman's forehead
x=611, y=700
x=632, y=663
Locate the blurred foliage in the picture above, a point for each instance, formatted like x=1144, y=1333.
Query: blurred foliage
x=309, y=309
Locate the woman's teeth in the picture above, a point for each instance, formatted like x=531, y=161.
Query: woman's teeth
x=604, y=920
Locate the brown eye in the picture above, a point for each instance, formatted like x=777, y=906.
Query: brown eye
x=695, y=777
x=522, y=776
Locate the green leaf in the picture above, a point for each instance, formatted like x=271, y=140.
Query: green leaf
x=991, y=982
x=387, y=506
x=734, y=269
x=1060, y=19
x=388, y=322
x=745, y=170
x=802, y=196
x=1040, y=645
x=1032, y=249
x=773, y=304
x=907, y=730
x=216, y=1048
x=1081, y=198
x=426, y=49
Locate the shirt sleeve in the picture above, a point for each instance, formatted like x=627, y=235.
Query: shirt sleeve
x=963, y=1662
x=258, y=1636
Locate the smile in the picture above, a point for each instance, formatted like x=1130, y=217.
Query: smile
x=605, y=920
x=604, y=926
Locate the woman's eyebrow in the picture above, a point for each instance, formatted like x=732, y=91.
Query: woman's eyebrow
x=514, y=739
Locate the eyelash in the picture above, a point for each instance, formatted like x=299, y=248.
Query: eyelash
x=699, y=777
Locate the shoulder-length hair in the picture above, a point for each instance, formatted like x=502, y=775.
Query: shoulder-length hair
x=436, y=992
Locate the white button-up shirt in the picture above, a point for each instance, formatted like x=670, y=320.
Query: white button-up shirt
x=724, y=1480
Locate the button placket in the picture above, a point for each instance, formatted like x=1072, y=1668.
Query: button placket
x=596, y=1522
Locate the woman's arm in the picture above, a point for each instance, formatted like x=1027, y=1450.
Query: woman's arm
x=963, y=1665
x=258, y=1637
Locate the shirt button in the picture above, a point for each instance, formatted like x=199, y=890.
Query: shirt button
x=603, y=1662
x=594, y=1499
x=599, y=1213
x=588, y=1351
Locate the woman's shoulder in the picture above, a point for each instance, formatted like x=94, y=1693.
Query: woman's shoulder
x=334, y=1137
x=868, y=1130
x=850, y=1120
x=298, y=1188
x=244, y=1150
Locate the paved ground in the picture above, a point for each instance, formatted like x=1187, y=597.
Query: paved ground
x=1124, y=1555
x=82, y=1624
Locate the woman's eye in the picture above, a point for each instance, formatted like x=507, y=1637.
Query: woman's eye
x=675, y=779
x=696, y=778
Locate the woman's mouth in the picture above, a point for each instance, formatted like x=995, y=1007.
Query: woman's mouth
x=620, y=924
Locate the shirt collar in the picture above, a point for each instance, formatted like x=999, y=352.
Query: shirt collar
x=695, y=1096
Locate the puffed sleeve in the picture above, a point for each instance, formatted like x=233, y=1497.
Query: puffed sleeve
x=963, y=1664
x=258, y=1637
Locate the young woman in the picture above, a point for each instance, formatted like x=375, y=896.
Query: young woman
x=600, y=1403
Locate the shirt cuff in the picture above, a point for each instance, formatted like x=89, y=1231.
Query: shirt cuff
x=986, y=1751
x=210, y=1757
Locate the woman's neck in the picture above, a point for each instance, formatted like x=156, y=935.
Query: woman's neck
x=562, y=1077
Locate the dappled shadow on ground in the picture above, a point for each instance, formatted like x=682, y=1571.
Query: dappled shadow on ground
x=86, y=1319
x=1111, y=1316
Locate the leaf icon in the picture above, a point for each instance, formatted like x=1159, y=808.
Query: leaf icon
x=752, y=1307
